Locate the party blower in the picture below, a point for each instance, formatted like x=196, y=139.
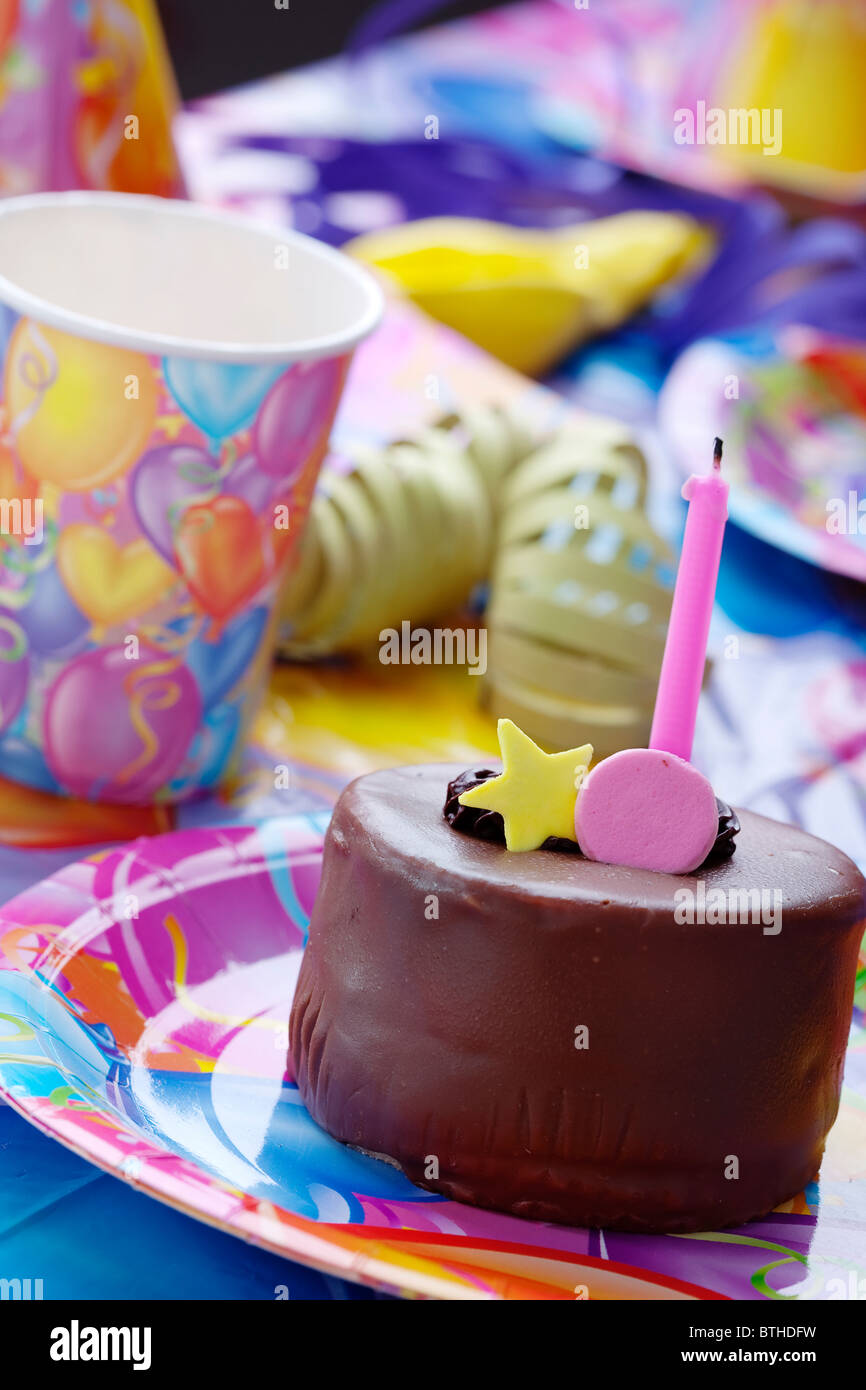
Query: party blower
x=649, y=808
x=170, y=376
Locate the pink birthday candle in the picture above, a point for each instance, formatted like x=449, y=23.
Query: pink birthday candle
x=676, y=708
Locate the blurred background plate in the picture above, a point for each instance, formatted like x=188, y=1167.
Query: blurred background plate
x=791, y=408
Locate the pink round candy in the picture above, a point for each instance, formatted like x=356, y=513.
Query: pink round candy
x=647, y=809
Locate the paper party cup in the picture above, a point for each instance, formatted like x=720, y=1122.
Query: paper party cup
x=169, y=379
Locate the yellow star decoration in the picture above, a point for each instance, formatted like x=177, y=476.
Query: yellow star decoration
x=536, y=792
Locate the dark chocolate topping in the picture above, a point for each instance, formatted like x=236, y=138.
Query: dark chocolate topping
x=489, y=826
x=729, y=829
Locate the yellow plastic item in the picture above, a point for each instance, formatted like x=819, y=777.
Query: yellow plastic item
x=536, y=791
x=530, y=297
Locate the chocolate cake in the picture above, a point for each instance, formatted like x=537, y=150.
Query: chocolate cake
x=552, y=1037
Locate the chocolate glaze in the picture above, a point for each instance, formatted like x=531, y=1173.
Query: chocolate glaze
x=489, y=825
x=453, y=1036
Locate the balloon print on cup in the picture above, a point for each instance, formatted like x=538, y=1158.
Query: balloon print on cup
x=169, y=479
x=52, y=622
x=220, y=397
x=136, y=628
x=73, y=422
x=14, y=669
x=118, y=730
x=295, y=418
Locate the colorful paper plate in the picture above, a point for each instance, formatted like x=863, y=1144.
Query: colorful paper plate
x=792, y=412
x=144, y=996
